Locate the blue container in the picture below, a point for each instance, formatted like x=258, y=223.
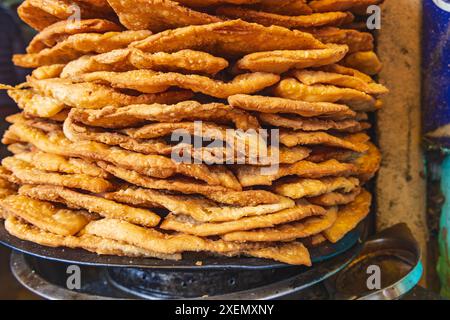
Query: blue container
x=436, y=71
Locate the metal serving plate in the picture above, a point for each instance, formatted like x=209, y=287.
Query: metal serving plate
x=82, y=257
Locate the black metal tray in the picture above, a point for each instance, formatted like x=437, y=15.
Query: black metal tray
x=82, y=257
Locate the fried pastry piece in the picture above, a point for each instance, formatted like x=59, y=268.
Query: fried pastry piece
x=252, y=176
x=208, y=3
x=60, y=31
x=285, y=7
x=291, y=22
x=286, y=232
x=280, y=61
x=216, y=193
x=297, y=188
x=369, y=163
x=355, y=40
x=148, y=81
x=48, y=71
x=294, y=253
x=340, y=5
x=310, y=77
x=349, y=216
x=189, y=61
x=77, y=45
x=280, y=105
x=364, y=61
x=133, y=115
x=157, y=15
x=55, y=163
x=152, y=165
x=28, y=232
x=294, y=138
x=26, y=172
x=103, y=207
x=335, y=198
x=40, y=14
x=186, y=224
x=347, y=71
x=34, y=104
x=45, y=216
x=233, y=38
x=17, y=148
x=312, y=124
x=291, y=88
x=199, y=208
x=95, y=96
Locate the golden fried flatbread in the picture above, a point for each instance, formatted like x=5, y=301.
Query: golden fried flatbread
x=77, y=45
x=253, y=176
x=133, y=115
x=368, y=163
x=297, y=188
x=292, y=22
x=280, y=61
x=364, y=61
x=310, y=77
x=148, y=81
x=157, y=15
x=34, y=104
x=287, y=7
x=17, y=148
x=44, y=215
x=26, y=172
x=60, y=31
x=286, y=232
x=337, y=68
x=186, y=224
x=291, y=88
x=335, y=198
x=199, y=208
x=294, y=253
x=355, y=40
x=94, y=96
x=189, y=61
x=312, y=124
x=280, y=105
x=208, y=3
x=103, y=207
x=349, y=216
x=28, y=232
x=55, y=163
x=294, y=138
x=340, y=5
x=48, y=71
x=230, y=39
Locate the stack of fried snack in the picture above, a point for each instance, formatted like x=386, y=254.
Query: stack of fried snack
x=95, y=161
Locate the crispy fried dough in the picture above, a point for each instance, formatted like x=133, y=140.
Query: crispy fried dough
x=55, y=163
x=280, y=105
x=286, y=232
x=60, y=31
x=25, y=231
x=291, y=22
x=364, y=61
x=294, y=138
x=207, y=3
x=34, y=104
x=355, y=40
x=297, y=188
x=312, y=124
x=77, y=45
x=26, y=172
x=148, y=81
x=335, y=198
x=287, y=7
x=253, y=176
x=337, y=68
x=340, y=5
x=188, y=225
x=129, y=59
x=133, y=115
x=45, y=215
x=368, y=163
x=309, y=77
x=349, y=217
x=230, y=38
x=280, y=61
x=152, y=165
x=199, y=208
x=95, y=96
x=291, y=88
x=157, y=15
x=103, y=207
x=48, y=71
x=216, y=193
x=294, y=253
